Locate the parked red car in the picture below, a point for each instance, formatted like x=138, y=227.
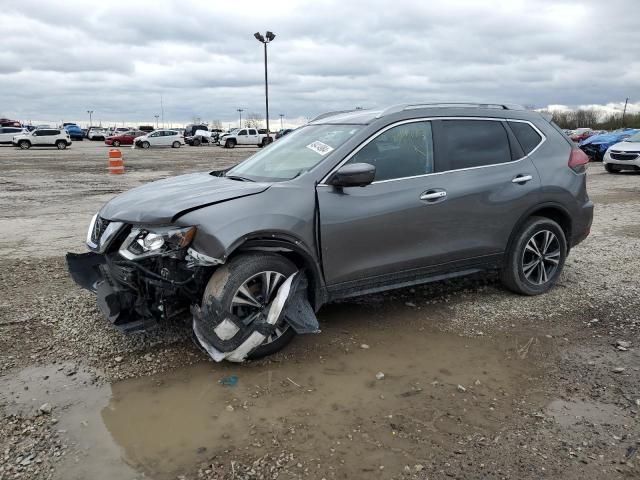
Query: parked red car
x=581, y=134
x=125, y=138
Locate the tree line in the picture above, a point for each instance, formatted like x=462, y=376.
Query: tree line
x=593, y=119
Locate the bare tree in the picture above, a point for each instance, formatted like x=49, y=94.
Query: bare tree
x=254, y=120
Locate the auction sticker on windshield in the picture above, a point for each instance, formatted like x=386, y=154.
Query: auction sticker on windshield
x=319, y=147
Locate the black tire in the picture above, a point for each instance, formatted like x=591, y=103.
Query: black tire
x=61, y=144
x=195, y=143
x=116, y=143
x=611, y=168
x=519, y=256
x=145, y=145
x=230, y=143
x=24, y=144
x=175, y=144
x=227, y=279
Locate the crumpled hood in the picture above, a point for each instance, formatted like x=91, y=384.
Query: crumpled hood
x=161, y=202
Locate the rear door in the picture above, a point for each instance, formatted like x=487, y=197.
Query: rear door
x=252, y=138
x=486, y=183
x=6, y=135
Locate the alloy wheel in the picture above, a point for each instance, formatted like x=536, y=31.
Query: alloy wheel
x=250, y=302
x=541, y=257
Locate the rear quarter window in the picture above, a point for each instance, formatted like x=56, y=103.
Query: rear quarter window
x=471, y=143
x=527, y=136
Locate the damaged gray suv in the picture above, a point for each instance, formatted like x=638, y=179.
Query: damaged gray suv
x=352, y=203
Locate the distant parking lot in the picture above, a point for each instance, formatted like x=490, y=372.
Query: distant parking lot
x=473, y=377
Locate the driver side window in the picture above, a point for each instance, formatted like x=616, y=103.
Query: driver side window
x=402, y=151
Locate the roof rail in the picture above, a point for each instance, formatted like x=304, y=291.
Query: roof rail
x=410, y=106
x=331, y=114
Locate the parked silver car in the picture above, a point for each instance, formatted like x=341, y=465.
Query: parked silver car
x=351, y=203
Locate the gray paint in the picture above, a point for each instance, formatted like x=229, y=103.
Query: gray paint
x=381, y=229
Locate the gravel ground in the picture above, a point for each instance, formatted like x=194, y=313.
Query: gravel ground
x=567, y=406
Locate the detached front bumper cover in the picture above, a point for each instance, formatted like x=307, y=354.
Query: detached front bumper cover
x=115, y=304
x=225, y=337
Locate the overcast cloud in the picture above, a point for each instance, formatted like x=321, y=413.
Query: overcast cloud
x=59, y=59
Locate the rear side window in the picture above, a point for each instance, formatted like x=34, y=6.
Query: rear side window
x=526, y=135
x=472, y=143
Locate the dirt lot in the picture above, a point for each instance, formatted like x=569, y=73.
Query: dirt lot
x=478, y=382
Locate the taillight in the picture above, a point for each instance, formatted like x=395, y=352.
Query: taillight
x=578, y=160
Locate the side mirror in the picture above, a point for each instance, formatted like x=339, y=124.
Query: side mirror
x=353, y=175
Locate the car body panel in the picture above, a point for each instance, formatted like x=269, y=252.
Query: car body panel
x=596, y=145
x=7, y=134
x=360, y=239
x=624, y=154
x=74, y=131
x=160, y=201
x=160, y=138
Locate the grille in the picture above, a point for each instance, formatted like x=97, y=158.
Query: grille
x=624, y=155
x=98, y=229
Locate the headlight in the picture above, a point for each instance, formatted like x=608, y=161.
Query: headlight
x=148, y=242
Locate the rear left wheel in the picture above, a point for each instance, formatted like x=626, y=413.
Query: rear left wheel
x=535, y=258
x=175, y=144
x=245, y=286
x=61, y=144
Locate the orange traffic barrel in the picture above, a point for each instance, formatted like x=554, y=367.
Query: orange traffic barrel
x=116, y=163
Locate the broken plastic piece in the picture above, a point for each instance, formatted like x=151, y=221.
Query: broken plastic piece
x=299, y=313
x=214, y=327
x=230, y=381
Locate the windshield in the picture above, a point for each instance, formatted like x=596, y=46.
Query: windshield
x=298, y=152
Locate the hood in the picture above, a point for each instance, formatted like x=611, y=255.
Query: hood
x=626, y=147
x=163, y=201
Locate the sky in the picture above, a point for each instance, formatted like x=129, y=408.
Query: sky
x=61, y=58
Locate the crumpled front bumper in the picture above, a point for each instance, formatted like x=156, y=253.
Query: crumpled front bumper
x=89, y=271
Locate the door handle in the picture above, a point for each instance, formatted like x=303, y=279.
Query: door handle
x=522, y=179
x=433, y=195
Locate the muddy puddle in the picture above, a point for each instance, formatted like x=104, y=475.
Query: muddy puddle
x=330, y=412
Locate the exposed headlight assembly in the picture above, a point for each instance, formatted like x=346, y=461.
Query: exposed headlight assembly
x=148, y=242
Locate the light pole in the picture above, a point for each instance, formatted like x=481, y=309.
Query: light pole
x=240, y=110
x=90, y=112
x=157, y=116
x=281, y=117
x=268, y=38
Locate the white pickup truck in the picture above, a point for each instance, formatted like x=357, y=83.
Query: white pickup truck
x=244, y=136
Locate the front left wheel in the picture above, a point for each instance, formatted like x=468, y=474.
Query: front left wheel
x=245, y=286
x=534, y=261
